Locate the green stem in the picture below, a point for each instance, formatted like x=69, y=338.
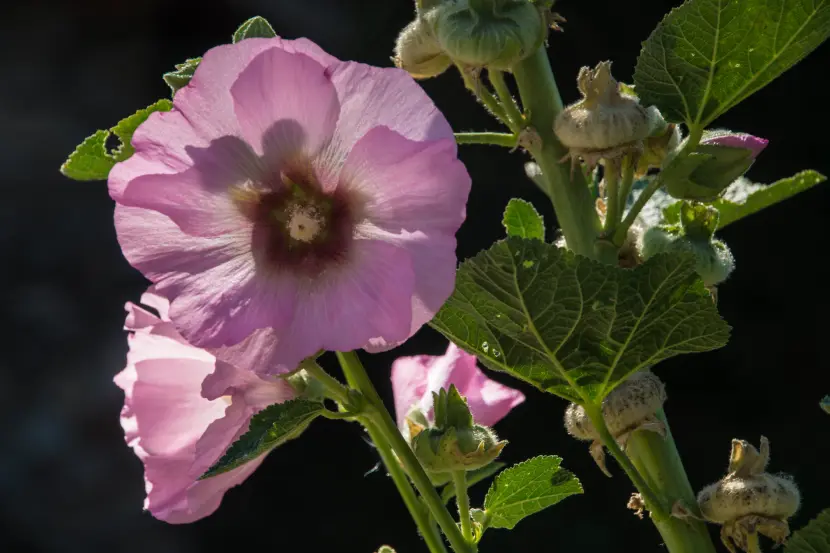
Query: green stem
x=575, y=209
x=459, y=480
x=484, y=96
x=506, y=98
x=658, y=460
x=612, y=201
x=419, y=514
x=654, y=504
x=335, y=389
x=492, y=138
x=358, y=379
x=627, y=182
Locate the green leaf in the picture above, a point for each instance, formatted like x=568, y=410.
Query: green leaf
x=526, y=489
x=708, y=55
x=572, y=326
x=813, y=538
x=92, y=161
x=521, y=219
x=271, y=427
x=181, y=76
x=256, y=27
x=473, y=478
x=743, y=198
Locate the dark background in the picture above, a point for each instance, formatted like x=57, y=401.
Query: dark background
x=68, y=482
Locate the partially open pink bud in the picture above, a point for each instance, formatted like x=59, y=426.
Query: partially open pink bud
x=736, y=140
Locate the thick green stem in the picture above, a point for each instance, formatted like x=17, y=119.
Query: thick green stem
x=574, y=205
x=459, y=480
x=419, y=514
x=388, y=432
x=491, y=138
x=654, y=504
x=658, y=461
x=506, y=98
x=626, y=183
x=612, y=201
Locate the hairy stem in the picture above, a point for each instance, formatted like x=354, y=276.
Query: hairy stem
x=459, y=480
x=567, y=189
x=506, y=98
x=659, y=462
x=612, y=201
x=626, y=183
x=419, y=513
x=474, y=85
x=491, y=138
x=388, y=432
x=654, y=504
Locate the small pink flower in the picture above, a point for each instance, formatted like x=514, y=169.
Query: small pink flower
x=291, y=202
x=414, y=379
x=736, y=140
x=176, y=431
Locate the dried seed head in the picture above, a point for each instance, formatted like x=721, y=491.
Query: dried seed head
x=605, y=118
x=625, y=408
x=749, y=500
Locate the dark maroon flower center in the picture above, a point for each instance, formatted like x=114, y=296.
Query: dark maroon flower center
x=298, y=227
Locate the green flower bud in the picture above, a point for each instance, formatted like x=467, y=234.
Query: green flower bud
x=455, y=442
x=418, y=53
x=714, y=262
x=708, y=171
x=488, y=33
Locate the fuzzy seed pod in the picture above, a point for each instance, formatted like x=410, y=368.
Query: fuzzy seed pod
x=713, y=260
x=748, y=500
x=452, y=449
x=418, y=53
x=605, y=118
x=495, y=34
x=625, y=408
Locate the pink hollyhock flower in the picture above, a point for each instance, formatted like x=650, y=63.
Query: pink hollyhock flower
x=176, y=431
x=736, y=140
x=291, y=202
x=414, y=379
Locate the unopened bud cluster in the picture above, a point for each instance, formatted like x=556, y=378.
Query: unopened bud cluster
x=494, y=34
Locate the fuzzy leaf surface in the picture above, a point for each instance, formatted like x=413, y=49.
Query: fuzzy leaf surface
x=572, y=326
x=521, y=219
x=706, y=56
x=271, y=427
x=527, y=488
x=813, y=538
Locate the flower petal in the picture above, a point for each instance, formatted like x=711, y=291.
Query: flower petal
x=285, y=103
x=408, y=184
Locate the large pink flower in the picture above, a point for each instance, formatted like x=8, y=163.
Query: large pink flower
x=414, y=379
x=291, y=202
x=176, y=431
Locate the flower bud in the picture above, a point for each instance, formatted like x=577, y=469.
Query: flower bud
x=418, y=53
x=630, y=406
x=455, y=442
x=488, y=33
x=748, y=499
x=713, y=260
x=723, y=137
x=605, y=118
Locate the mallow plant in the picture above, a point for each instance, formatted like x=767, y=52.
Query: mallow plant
x=285, y=203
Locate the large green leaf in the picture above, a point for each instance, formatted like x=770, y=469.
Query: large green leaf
x=521, y=219
x=813, y=538
x=743, y=198
x=271, y=427
x=92, y=161
x=526, y=489
x=573, y=326
x=708, y=55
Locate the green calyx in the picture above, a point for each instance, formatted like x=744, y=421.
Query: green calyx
x=706, y=172
x=713, y=260
x=455, y=442
x=418, y=52
x=488, y=33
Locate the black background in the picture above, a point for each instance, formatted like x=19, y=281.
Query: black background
x=68, y=482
